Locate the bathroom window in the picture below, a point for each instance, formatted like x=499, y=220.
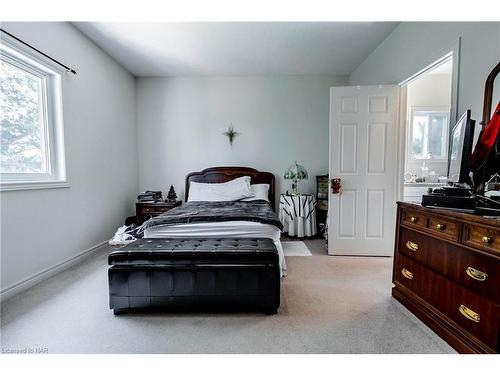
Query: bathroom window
x=429, y=134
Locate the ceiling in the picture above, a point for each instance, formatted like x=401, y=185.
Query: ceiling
x=238, y=48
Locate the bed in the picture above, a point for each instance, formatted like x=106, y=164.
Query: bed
x=228, y=224
x=204, y=254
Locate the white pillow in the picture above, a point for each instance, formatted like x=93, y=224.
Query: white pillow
x=233, y=190
x=261, y=192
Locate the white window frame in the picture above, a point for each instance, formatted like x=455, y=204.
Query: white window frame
x=21, y=56
x=446, y=132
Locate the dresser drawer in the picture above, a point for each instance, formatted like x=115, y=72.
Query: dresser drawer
x=476, y=272
x=443, y=228
x=482, y=237
x=145, y=211
x=413, y=217
x=153, y=210
x=436, y=224
x=474, y=313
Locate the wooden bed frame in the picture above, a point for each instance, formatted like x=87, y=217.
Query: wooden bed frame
x=224, y=174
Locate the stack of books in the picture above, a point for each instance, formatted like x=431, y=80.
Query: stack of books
x=150, y=196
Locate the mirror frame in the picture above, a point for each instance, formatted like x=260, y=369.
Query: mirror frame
x=488, y=95
x=490, y=165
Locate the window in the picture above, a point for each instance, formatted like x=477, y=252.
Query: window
x=31, y=134
x=429, y=134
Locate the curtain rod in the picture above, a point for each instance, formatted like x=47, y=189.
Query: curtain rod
x=40, y=52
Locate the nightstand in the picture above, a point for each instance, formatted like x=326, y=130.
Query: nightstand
x=146, y=210
x=297, y=213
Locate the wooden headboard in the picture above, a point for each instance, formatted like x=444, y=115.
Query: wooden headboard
x=224, y=174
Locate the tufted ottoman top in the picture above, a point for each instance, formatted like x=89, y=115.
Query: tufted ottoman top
x=167, y=251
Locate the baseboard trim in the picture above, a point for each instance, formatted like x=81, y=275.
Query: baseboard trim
x=46, y=273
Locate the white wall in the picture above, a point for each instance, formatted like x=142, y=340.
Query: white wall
x=429, y=91
x=414, y=45
x=280, y=118
x=42, y=228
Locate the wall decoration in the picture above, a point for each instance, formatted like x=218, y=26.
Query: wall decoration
x=231, y=134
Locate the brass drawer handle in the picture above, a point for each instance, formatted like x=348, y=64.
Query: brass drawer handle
x=440, y=226
x=487, y=240
x=407, y=273
x=469, y=314
x=411, y=245
x=476, y=274
x=413, y=219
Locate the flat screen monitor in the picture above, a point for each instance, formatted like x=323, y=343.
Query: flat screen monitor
x=460, y=151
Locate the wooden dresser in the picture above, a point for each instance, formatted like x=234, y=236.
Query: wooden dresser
x=447, y=272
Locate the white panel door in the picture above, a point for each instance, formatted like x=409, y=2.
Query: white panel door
x=363, y=153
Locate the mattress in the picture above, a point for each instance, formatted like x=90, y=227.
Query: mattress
x=222, y=229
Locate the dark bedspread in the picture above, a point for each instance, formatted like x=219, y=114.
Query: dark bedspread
x=196, y=212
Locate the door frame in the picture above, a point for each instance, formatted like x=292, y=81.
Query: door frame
x=454, y=53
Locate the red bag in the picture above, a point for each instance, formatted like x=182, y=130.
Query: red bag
x=486, y=142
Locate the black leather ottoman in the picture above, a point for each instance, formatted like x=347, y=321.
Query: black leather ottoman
x=234, y=274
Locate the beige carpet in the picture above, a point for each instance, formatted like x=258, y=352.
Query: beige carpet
x=329, y=305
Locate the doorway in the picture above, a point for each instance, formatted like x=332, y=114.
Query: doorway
x=368, y=126
x=428, y=115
